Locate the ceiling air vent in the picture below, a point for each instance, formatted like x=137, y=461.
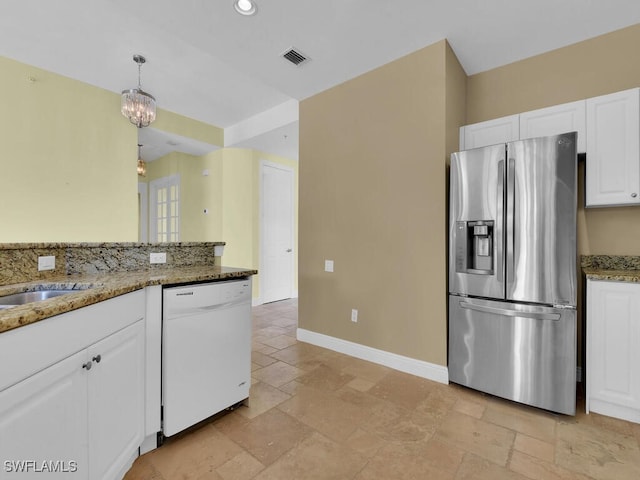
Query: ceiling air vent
x=294, y=56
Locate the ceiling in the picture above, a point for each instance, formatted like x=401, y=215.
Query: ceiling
x=207, y=62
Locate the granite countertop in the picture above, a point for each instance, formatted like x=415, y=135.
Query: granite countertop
x=94, y=288
x=617, y=268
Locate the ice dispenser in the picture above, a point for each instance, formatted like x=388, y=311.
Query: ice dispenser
x=474, y=247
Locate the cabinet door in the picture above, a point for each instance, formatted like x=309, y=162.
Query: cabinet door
x=491, y=132
x=116, y=401
x=613, y=149
x=43, y=423
x=613, y=349
x=568, y=117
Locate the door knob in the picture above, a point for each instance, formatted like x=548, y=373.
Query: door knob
x=87, y=365
x=634, y=195
x=97, y=358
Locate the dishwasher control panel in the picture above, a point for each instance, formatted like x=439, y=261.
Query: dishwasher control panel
x=187, y=298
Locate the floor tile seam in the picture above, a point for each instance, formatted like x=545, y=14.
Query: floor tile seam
x=366, y=464
x=294, y=365
x=466, y=453
x=512, y=449
x=307, y=435
x=553, y=465
x=613, y=431
x=284, y=391
x=264, y=467
x=554, y=445
x=527, y=433
x=342, y=444
x=228, y=438
x=451, y=442
x=304, y=421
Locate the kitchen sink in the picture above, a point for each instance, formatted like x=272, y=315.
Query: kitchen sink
x=28, y=297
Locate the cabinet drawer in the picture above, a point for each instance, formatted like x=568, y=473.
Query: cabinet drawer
x=29, y=349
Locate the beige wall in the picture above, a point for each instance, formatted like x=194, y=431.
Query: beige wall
x=231, y=195
x=373, y=176
x=373, y=199
x=67, y=160
x=597, y=66
x=197, y=192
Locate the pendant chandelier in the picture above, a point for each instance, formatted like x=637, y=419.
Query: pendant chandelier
x=137, y=105
x=142, y=165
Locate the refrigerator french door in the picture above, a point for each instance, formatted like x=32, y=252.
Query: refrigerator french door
x=512, y=271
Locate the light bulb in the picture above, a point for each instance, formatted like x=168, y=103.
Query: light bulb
x=245, y=7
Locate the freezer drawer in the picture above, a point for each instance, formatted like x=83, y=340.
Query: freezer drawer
x=520, y=352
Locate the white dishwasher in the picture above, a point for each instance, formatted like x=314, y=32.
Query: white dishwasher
x=206, y=351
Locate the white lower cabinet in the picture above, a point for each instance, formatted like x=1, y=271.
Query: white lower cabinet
x=613, y=349
x=81, y=417
x=116, y=401
x=44, y=419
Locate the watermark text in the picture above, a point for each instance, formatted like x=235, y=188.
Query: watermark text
x=40, y=466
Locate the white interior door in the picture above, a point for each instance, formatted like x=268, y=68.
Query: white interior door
x=277, y=232
x=164, y=209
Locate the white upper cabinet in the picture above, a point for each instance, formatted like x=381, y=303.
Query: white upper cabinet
x=608, y=131
x=491, y=132
x=568, y=117
x=613, y=149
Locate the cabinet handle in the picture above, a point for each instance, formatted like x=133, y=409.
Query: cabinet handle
x=87, y=365
x=634, y=195
x=288, y=250
x=97, y=358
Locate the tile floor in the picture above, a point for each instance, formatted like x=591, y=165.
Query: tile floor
x=317, y=414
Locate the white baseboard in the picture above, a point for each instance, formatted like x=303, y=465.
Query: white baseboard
x=258, y=300
x=420, y=368
x=149, y=443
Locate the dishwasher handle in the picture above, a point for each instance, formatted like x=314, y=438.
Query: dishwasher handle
x=173, y=313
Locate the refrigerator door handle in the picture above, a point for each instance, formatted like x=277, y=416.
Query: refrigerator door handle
x=510, y=313
x=510, y=223
x=499, y=240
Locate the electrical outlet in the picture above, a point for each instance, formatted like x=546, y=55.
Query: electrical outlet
x=328, y=265
x=158, y=257
x=47, y=263
x=354, y=315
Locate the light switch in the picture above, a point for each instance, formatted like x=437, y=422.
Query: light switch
x=328, y=265
x=47, y=263
x=158, y=257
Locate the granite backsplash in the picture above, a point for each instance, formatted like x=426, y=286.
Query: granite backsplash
x=19, y=261
x=610, y=262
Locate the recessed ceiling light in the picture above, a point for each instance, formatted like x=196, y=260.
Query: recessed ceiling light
x=245, y=7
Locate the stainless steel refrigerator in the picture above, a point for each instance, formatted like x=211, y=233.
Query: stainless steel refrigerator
x=512, y=271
